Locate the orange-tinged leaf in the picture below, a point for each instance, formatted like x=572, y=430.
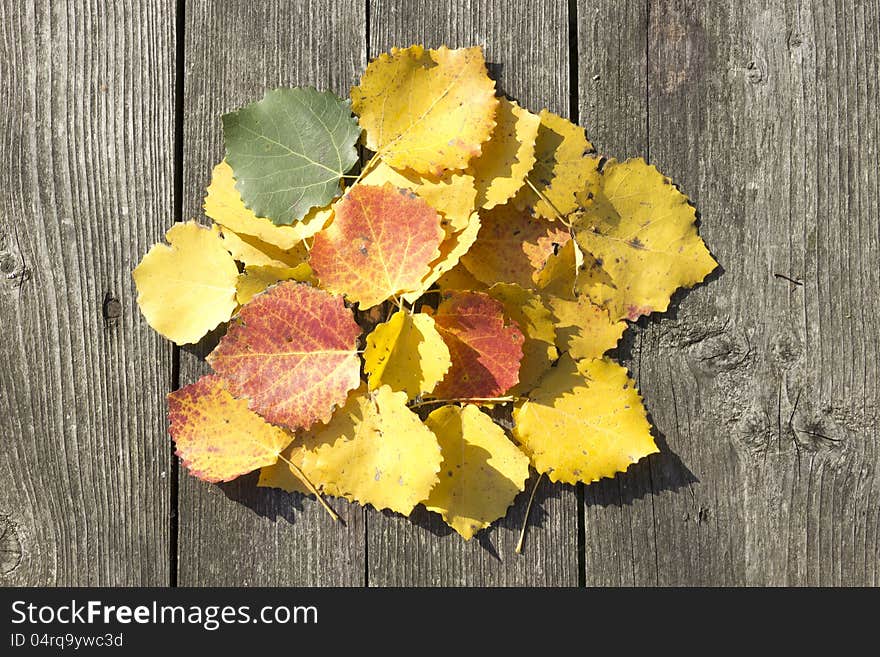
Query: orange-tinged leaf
x=451, y=251
x=217, y=437
x=292, y=353
x=565, y=165
x=583, y=422
x=224, y=205
x=426, y=110
x=381, y=244
x=512, y=247
x=508, y=156
x=642, y=230
x=485, y=350
x=188, y=288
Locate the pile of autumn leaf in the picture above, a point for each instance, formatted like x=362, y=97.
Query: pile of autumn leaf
x=484, y=256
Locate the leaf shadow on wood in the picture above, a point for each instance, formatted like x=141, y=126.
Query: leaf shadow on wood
x=269, y=503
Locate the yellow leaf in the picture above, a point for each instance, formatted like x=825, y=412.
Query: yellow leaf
x=481, y=473
x=188, y=288
x=564, y=165
x=512, y=246
x=642, y=232
x=508, y=156
x=583, y=422
x=378, y=452
x=459, y=278
x=451, y=251
x=254, y=252
x=406, y=353
x=539, y=349
x=224, y=205
x=584, y=329
x=280, y=475
x=569, y=272
x=453, y=194
x=426, y=110
x=256, y=278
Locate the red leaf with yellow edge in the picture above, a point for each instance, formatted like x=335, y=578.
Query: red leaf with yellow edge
x=218, y=438
x=485, y=351
x=512, y=246
x=292, y=352
x=381, y=243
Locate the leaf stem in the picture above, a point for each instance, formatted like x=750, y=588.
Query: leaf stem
x=497, y=400
x=522, y=533
x=548, y=202
x=308, y=484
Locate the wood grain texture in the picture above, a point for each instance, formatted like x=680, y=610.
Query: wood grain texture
x=236, y=534
x=526, y=44
x=86, y=135
x=764, y=390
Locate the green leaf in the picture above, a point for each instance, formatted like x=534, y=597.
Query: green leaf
x=289, y=150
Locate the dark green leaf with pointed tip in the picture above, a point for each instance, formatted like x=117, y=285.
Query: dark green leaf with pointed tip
x=289, y=150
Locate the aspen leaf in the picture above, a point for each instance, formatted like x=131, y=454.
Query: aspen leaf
x=459, y=278
x=289, y=151
x=451, y=251
x=217, y=437
x=569, y=272
x=292, y=353
x=485, y=350
x=508, y=156
x=481, y=473
x=253, y=252
x=280, y=475
x=564, y=166
x=527, y=309
x=644, y=236
x=406, y=353
x=224, y=205
x=584, y=421
x=452, y=194
x=512, y=247
x=188, y=288
x=584, y=329
x=378, y=452
x=381, y=243
x=426, y=110
x=255, y=279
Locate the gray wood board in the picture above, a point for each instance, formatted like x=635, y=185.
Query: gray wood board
x=237, y=534
x=526, y=45
x=86, y=132
x=763, y=391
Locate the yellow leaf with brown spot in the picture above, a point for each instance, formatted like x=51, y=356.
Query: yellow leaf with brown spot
x=584, y=329
x=407, y=354
x=217, y=437
x=508, y=156
x=256, y=279
x=188, y=288
x=512, y=246
x=527, y=309
x=644, y=236
x=376, y=451
x=381, y=243
x=569, y=271
x=584, y=421
x=452, y=194
x=224, y=205
x=481, y=473
x=565, y=165
x=426, y=110
x=451, y=251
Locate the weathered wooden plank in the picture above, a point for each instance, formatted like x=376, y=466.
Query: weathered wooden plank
x=86, y=132
x=613, y=102
x=527, y=46
x=764, y=113
x=236, y=534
